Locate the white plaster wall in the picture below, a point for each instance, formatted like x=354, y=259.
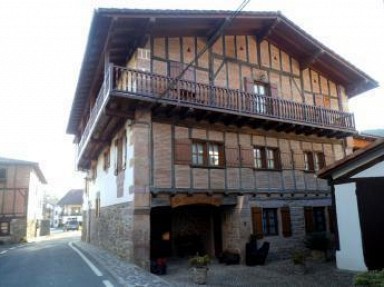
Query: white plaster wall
x=106, y=181
x=35, y=197
x=350, y=256
x=374, y=171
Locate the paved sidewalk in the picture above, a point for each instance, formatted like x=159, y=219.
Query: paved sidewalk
x=127, y=274
x=275, y=273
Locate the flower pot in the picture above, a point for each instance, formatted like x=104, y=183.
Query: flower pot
x=199, y=275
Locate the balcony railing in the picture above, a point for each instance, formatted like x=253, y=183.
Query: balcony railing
x=152, y=87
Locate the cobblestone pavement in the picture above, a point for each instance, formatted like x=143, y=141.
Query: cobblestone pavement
x=276, y=273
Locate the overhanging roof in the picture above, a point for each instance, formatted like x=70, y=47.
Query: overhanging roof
x=34, y=165
x=355, y=162
x=122, y=28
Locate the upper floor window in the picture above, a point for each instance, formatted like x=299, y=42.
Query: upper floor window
x=313, y=161
x=207, y=154
x=260, y=88
x=266, y=157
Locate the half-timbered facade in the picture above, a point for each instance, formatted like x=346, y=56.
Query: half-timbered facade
x=21, y=199
x=198, y=128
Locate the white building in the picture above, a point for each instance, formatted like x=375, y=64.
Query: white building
x=358, y=182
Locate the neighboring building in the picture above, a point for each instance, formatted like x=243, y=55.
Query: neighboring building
x=71, y=206
x=22, y=187
x=196, y=157
x=358, y=182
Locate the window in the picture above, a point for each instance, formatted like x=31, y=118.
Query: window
x=265, y=221
x=315, y=219
x=270, y=226
x=265, y=157
x=121, y=153
x=4, y=228
x=207, y=154
x=107, y=159
x=3, y=177
x=97, y=205
x=313, y=161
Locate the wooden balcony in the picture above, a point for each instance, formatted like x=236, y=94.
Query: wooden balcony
x=172, y=97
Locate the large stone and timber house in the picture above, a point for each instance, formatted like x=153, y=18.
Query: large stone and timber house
x=198, y=129
x=22, y=187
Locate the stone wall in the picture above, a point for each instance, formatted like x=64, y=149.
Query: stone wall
x=44, y=227
x=18, y=230
x=112, y=230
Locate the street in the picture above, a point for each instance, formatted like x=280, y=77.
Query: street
x=52, y=261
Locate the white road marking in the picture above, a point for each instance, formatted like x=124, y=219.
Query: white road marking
x=107, y=283
x=89, y=263
x=3, y=252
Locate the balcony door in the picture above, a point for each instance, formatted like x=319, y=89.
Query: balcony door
x=260, y=96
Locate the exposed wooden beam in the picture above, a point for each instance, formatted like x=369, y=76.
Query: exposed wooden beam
x=264, y=33
x=307, y=62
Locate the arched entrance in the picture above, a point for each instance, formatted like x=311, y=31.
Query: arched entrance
x=186, y=230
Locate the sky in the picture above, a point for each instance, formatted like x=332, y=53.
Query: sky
x=43, y=43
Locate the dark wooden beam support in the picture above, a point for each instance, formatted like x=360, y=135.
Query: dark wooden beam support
x=118, y=113
x=263, y=34
x=307, y=62
x=141, y=40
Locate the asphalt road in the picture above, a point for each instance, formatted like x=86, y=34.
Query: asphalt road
x=55, y=261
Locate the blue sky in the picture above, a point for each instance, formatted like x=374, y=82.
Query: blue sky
x=43, y=42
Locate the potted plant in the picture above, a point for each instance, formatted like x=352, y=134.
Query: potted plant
x=298, y=259
x=199, y=268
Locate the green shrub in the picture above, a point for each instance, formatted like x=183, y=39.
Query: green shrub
x=298, y=257
x=370, y=278
x=199, y=261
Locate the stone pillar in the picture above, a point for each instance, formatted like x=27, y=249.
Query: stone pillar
x=141, y=201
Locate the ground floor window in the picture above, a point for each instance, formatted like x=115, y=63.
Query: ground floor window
x=315, y=220
x=265, y=221
x=4, y=228
x=270, y=226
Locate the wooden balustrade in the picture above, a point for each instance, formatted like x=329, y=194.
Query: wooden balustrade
x=128, y=82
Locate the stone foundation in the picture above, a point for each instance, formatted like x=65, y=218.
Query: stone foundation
x=113, y=230
x=18, y=230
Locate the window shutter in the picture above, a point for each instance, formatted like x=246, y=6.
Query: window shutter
x=248, y=85
x=286, y=221
x=298, y=160
x=311, y=161
x=257, y=221
x=286, y=159
x=247, y=157
x=321, y=159
x=221, y=155
x=232, y=156
x=308, y=215
x=274, y=90
x=276, y=154
x=183, y=151
x=331, y=218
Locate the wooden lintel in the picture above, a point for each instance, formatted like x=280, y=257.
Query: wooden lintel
x=268, y=30
x=307, y=62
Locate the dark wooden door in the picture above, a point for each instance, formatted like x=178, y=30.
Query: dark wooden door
x=370, y=199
